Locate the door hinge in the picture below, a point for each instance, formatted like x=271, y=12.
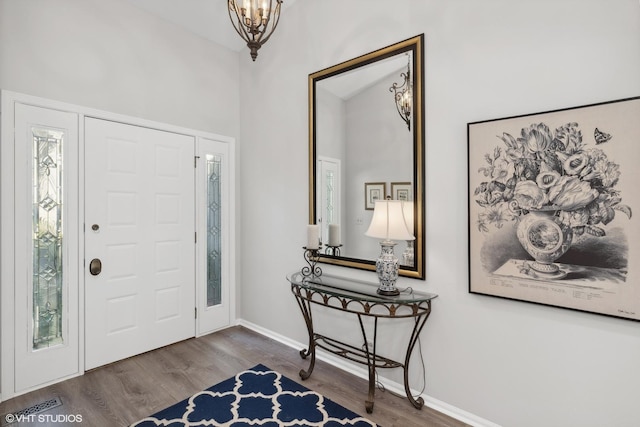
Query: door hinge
x=195, y=161
x=195, y=237
x=195, y=312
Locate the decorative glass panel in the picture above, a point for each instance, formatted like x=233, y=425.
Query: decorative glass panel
x=214, y=230
x=330, y=185
x=47, y=238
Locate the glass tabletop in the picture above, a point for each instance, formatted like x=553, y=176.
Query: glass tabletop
x=355, y=289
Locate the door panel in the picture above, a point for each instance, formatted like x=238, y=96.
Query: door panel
x=140, y=222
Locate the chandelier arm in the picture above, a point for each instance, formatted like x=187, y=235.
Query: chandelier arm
x=276, y=16
x=399, y=93
x=405, y=83
x=404, y=116
x=239, y=27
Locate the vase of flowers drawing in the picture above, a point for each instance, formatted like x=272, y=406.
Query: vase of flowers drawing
x=546, y=238
x=554, y=185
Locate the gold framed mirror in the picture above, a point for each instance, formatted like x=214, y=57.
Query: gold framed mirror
x=366, y=141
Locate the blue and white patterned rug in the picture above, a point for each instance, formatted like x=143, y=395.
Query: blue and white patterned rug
x=256, y=397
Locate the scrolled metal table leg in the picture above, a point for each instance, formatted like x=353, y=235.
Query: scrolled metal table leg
x=305, y=308
x=304, y=353
x=371, y=363
x=420, y=321
x=368, y=405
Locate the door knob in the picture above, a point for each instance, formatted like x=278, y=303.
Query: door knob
x=95, y=267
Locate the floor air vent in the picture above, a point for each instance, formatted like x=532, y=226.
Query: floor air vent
x=9, y=419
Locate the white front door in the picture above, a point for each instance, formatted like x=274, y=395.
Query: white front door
x=75, y=188
x=139, y=240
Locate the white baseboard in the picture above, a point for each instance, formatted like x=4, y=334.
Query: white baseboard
x=392, y=386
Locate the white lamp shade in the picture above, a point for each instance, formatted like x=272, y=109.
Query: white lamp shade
x=388, y=221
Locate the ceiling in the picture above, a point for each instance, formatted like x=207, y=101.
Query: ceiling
x=206, y=18
x=347, y=84
x=210, y=20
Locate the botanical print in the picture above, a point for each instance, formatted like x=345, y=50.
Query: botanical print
x=553, y=172
x=547, y=208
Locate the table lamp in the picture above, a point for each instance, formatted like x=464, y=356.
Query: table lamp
x=388, y=223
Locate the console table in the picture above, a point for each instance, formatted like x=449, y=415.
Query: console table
x=360, y=298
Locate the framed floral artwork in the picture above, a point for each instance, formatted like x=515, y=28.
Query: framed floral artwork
x=551, y=197
x=374, y=191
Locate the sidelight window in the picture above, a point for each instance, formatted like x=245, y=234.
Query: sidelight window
x=214, y=230
x=47, y=235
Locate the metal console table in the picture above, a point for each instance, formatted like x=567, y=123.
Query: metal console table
x=360, y=298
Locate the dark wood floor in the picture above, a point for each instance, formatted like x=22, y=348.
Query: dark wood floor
x=127, y=391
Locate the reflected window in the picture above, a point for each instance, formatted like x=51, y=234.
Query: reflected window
x=330, y=196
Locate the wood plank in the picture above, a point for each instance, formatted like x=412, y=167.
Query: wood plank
x=127, y=391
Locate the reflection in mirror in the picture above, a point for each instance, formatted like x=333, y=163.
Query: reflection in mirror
x=366, y=142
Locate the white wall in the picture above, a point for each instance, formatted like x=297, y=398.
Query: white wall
x=380, y=149
x=331, y=130
x=115, y=57
x=382, y=135
x=513, y=363
x=112, y=56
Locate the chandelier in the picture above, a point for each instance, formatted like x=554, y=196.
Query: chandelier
x=254, y=20
x=403, y=96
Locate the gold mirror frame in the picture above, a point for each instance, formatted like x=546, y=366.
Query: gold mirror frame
x=414, y=45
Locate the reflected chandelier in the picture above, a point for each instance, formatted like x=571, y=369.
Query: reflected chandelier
x=403, y=96
x=254, y=20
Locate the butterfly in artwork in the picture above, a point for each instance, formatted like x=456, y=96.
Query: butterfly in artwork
x=601, y=137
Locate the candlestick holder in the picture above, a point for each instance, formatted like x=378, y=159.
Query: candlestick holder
x=312, y=256
x=333, y=250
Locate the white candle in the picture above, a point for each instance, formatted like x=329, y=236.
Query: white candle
x=313, y=236
x=334, y=235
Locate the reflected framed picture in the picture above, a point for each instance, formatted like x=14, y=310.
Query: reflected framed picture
x=401, y=191
x=551, y=197
x=374, y=191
